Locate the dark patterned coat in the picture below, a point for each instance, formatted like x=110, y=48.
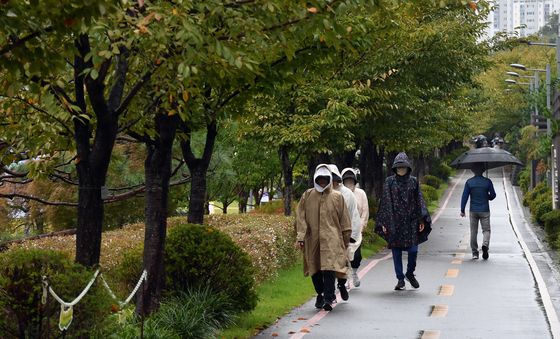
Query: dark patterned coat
x=401, y=209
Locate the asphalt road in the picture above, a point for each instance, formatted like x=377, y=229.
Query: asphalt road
x=514, y=294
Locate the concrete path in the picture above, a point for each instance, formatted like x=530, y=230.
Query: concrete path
x=514, y=294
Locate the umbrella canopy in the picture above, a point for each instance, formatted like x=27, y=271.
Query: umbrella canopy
x=488, y=156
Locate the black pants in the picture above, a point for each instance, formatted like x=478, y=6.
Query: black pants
x=324, y=281
x=357, y=258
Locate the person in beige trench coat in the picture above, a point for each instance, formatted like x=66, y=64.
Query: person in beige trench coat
x=323, y=232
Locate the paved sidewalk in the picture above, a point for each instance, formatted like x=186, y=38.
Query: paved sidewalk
x=458, y=297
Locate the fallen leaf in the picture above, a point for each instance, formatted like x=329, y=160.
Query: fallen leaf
x=305, y=330
x=274, y=334
x=301, y=318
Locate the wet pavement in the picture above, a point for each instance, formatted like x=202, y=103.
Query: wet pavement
x=514, y=294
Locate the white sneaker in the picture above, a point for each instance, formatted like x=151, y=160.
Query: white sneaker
x=355, y=279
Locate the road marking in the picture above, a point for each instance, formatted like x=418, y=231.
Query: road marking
x=439, y=311
x=316, y=318
x=430, y=334
x=449, y=194
x=459, y=255
x=550, y=312
x=456, y=261
x=446, y=290
x=452, y=273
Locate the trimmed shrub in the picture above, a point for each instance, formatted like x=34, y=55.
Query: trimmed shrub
x=268, y=239
x=368, y=236
x=273, y=207
x=551, y=222
x=431, y=180
x=540, y=189
x=541, y=209
x=197, y=255
x=197, y=313
x=524, y=181
x=430, y=194
x=441, y=170
x=23, y=314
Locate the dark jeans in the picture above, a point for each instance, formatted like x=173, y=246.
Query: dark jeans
x=324, y=281
x=357, y=258
x=397, y=260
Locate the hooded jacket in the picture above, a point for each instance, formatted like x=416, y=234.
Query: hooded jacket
x=323, y=224
x=351, y=204
x=362, y=207
x=402, y=208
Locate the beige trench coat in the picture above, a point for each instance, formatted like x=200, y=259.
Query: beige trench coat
x=324, y=225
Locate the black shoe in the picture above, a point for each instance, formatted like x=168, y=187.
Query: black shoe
x=475, y=255
x=400, y=285
x=485, y=252
x=412, y=280
x=320, y=301
x=328, y=305
x=343, y=292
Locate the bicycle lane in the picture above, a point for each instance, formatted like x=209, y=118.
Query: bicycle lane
x=458, y=297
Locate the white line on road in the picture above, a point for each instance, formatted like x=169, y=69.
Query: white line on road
x=550, y=312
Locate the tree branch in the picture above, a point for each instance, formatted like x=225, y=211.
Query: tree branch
x=14, y=43
x=34, y=198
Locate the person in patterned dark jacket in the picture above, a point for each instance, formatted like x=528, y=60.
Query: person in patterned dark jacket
x=403, y=219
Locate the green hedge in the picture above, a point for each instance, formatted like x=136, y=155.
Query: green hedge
x=197, y=255
x=551, y=222
x=23, y=314
x=430, y=194
x=431, y=180
x=440, y=169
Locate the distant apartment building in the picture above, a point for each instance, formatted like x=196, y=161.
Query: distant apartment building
x=526, y=17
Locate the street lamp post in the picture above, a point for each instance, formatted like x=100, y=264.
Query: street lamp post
x=556, y=115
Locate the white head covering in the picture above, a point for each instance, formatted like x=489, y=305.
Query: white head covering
x=322, y=171
x=334, y=170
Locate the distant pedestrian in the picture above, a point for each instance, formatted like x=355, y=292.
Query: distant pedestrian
x=356, y=222
x=323, y=232
x=403, y=219
x=480, y=190
x=350, y=180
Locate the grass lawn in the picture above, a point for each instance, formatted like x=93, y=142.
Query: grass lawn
x=435, y=204
x=280, y=295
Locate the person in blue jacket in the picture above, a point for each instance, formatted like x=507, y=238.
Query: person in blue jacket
x=480, y=190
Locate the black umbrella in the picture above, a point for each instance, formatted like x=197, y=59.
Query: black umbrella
x=488, y=156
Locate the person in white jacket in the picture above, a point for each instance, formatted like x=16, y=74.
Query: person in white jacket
x=355, y=220
x=350, y=179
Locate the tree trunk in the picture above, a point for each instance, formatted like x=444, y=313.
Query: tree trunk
x=258, y=196
x=157, y=172
x=366, y=166
x=198, y=169
x=90, y=217
x=378, y=176
x=92, y=160
x=225, y=205
x=287, y=174
x=345, y=159
x=243, y=196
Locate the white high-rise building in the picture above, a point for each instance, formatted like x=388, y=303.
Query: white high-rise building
x=524, y=17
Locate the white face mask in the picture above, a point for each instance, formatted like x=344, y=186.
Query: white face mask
x=402, y=171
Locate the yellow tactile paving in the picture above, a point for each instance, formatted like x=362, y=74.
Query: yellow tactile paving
x=439, y=311
x=446, y=290
x=430, y=334
x=452, y=273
